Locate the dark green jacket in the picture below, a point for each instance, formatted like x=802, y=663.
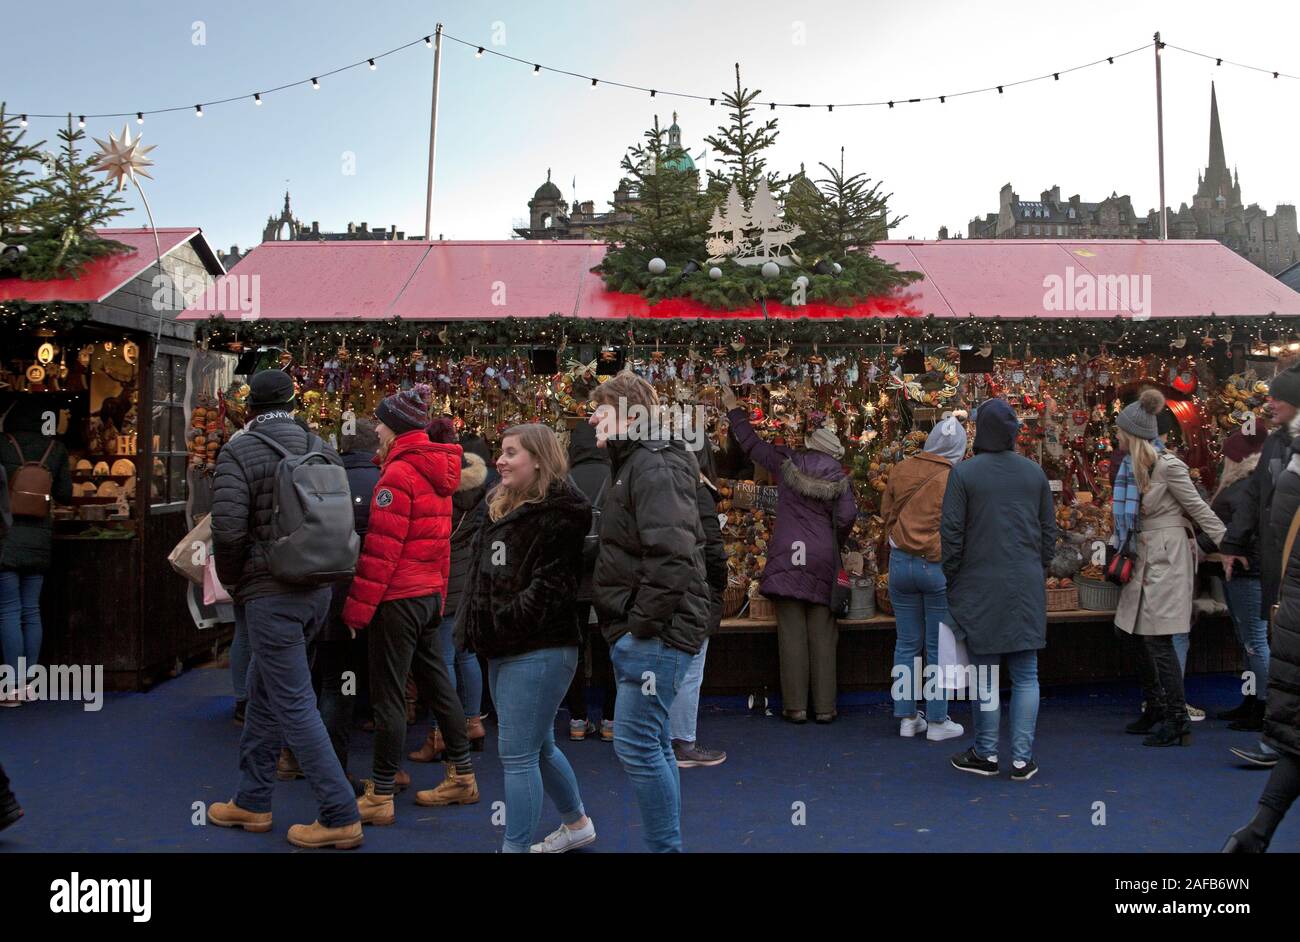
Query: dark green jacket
x=27, y=545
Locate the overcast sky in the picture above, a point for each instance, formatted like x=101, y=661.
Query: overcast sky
x=501, y=127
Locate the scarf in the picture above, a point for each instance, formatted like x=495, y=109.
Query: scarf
x=1126, y=499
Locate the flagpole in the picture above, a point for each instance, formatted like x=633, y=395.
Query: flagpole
x=433, y=132
x=1160, y=141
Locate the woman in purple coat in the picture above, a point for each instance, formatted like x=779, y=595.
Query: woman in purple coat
x=814, y=495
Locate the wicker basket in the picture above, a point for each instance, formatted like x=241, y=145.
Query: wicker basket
x=1097, y=596
x=761, y=609
x=733, y=600
x=1062, y=600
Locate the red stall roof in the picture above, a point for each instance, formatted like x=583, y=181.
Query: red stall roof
x=1013, y=278
x=104, y=277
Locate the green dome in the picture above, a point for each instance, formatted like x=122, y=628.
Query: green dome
x=684, y=162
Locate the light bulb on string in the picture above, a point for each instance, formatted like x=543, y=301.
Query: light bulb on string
x=479, y=54
x=139, y=117
x=198, y=111
x=257, y=98
x=81, y=121
x=372, y=65
x=315, y=83
x=22, y=121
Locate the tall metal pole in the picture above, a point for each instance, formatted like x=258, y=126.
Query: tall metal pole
x=433, y=132
x=1160, y=141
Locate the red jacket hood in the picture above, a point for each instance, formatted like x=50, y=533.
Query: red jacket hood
x=437, y=463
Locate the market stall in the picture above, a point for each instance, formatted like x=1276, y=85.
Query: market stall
x=477, y=321
x=104, y=357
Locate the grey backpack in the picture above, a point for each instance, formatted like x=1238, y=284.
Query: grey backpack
x=312, y=535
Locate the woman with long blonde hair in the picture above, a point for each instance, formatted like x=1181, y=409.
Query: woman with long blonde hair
x=1152, y=502
x=520, y=612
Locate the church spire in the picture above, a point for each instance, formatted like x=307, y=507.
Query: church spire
x=1217, y=161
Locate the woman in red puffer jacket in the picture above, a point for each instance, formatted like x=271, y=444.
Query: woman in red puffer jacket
x=397, y=595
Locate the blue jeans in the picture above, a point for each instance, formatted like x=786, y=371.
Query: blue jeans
x=463, y=666
x=649, y=675
x=1244, y=600
x=20, y=618
x=919, y=594
x=686, y=706
x=282, y=706
x=1023, y=667
x=240, y=656
x=1181, y=643
x=526, y=691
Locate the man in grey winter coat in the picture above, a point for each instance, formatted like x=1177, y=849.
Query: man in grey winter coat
x=998, y=531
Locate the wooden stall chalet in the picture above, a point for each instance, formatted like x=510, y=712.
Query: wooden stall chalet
x=428, y=291
x=106, y=354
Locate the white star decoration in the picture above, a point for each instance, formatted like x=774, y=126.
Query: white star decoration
x=122, y=158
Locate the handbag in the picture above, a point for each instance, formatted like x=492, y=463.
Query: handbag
x=214, y=593
x=186, y=557
x=591, y=542
x=952, y=661
x=841, y=590
x=1119, y=567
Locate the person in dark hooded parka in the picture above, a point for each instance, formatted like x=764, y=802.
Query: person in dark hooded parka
x=998, y=531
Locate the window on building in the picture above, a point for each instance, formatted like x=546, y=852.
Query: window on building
x=170, y=452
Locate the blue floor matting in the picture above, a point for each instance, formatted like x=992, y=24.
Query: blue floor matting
x=127, y=778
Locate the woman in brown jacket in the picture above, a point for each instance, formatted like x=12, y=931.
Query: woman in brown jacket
x=1156, y=603
x=911, y=506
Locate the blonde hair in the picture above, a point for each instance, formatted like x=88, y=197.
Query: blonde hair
x=1143, y=456
x=541, y=442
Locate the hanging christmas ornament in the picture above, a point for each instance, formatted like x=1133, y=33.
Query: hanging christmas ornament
x=657, y=266
x=770, y=269
x=715, y=272
x=35, y=373
x=45, y=353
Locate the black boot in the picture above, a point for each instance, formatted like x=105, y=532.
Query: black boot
x=1241, y=711
x=1174, y=730
x=1253, y=722
x=1152, y=713
x=10, y=810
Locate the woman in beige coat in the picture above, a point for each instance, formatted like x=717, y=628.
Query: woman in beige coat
x=1156, y=603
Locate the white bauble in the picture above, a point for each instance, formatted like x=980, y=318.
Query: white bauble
x=715, y=272
x=838, y=268
x=658, y=266
x=771, y=269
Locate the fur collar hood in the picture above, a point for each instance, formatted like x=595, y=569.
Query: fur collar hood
x=473, y=472
x=811, y=487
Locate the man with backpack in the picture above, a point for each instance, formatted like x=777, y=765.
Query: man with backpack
x=282, y=531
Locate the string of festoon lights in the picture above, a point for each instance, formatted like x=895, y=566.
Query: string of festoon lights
x=537, y=68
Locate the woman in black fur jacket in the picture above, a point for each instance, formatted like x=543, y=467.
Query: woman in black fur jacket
x=519, y=612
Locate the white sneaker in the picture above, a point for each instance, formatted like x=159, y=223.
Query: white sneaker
x=913, y=726
x=564, y=838
x=945, y=730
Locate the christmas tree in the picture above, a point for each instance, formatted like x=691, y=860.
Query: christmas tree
x=19, y=187
x=74, y=202
x=739, y=146
x=668, y=219
x=839, y=213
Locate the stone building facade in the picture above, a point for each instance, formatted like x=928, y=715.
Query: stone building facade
x=287, y=227
x=549, y=215
x=1270, y=241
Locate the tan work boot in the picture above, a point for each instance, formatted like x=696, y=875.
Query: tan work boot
x=287, y=768
x=456, y=789
x=318, y=835
x=432, y=749
x=227, y=814
x=376, y=809
x=476, y=733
